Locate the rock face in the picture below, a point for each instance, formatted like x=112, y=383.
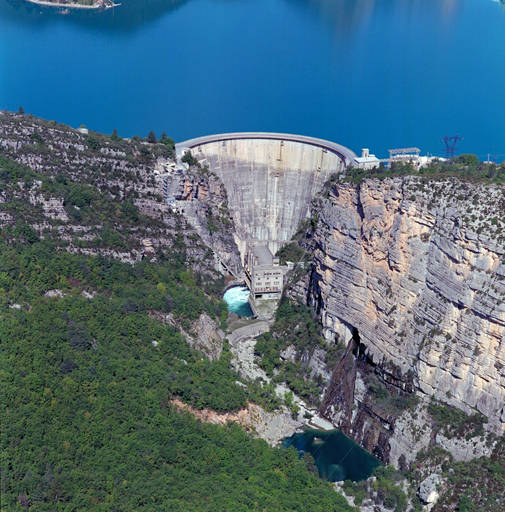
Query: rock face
x=208, y=339
x=413, y=269
x=428, y=491
x=203, y=200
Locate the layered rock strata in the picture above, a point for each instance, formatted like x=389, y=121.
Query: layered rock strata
x=122, y=170
x=203, y=201
x=414, y=269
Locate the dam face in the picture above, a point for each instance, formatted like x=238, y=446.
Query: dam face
x=270, y=182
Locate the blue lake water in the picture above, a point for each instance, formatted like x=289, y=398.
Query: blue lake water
x=336, y=456
x=364, y=73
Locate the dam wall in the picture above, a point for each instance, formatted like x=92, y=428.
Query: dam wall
x=270, y=180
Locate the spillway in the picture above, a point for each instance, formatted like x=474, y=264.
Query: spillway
x=270, y=179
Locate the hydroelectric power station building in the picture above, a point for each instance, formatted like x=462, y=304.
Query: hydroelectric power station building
x=263, y=274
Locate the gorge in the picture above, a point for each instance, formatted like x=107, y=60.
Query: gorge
x=408, y=272
x=406, y=320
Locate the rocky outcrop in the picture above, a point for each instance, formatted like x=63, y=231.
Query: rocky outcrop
x=412, y=433
x=204, y=334
x=273, y=427
x=203, y=201
x=415, y=267
x=465, y=449
x=52, y=206
x=207, y=337
x=429, y=490
x=300, y=289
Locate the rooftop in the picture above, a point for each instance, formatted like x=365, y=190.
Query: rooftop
x=262, y=252
x=364, y=159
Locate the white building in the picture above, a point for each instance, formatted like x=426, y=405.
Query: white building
x=366, y=160
x=263, y=273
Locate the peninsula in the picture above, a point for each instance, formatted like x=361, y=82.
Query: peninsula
x=79, y=4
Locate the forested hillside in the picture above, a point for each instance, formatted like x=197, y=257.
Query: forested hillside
x=93, y=352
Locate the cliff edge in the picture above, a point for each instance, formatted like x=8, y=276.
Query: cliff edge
x=413, y=269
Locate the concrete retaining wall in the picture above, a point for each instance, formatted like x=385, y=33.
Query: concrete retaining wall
x=249, y=331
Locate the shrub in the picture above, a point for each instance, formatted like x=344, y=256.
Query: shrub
x=68, y=366
x=92, y=143
x=27, y=232
x=465, y=504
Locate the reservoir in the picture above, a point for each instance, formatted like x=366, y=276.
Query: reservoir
x=379, y=74
x=237, y=299
x=336, y=456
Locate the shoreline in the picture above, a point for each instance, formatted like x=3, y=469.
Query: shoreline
x=70, y=5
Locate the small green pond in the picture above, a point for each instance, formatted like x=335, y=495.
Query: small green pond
x=335, y=455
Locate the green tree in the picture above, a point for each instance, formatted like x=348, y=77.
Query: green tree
x=92, y=143
x=469, y=159
x=168, y=141
x=310, y=463
x=115, y=137
x=151, y=138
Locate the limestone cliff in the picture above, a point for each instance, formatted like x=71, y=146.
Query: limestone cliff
x=203, y=201
x=413, y=269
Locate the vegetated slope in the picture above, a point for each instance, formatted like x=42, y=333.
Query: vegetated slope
x=89, y=369
x=87, y=186
x=87, y=416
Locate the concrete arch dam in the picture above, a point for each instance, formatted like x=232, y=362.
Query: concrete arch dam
x=270, y=179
